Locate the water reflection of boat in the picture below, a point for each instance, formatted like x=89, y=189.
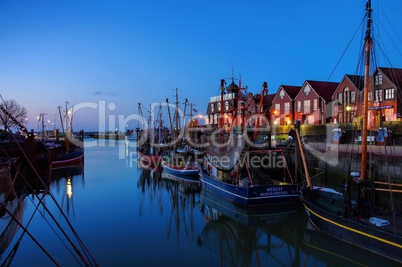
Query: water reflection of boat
x=11, y=208
x=318, y=246
x=247, y=237
x=188, y=180
x=248, y=216
x=64, y=177
x=184, y=196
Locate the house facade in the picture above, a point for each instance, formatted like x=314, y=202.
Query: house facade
x=384, y=96
x=282, y=109
x=346, y=100
x=312, y=103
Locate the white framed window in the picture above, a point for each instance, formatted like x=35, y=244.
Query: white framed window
x=352, y=97
x=286, y=108
x=378, y=79
x=389, y=93
x=378, y=95
x=306, y=108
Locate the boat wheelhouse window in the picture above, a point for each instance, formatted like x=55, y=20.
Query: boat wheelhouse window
x=389, y=93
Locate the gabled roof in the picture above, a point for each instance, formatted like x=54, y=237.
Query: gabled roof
x=357, y=80
x=291, y=90
x=269, y=98
x=324, y=89
x=395, y=75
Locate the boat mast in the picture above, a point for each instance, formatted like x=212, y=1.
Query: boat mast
x=367, y=44
x=264, y=91
x=176, y=115
x=170, y=118
x=67, y=130
x=184, y=114
x=221, y=106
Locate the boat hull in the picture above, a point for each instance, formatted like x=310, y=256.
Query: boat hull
x=67, y=159
x=252, y=195
x=190, y=170
x=357, y=232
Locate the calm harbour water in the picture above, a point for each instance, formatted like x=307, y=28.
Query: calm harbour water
x=128, y=216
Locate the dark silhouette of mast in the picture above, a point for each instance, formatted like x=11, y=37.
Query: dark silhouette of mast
x=367, y=44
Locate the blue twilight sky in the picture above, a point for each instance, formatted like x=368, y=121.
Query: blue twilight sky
x=114, y=54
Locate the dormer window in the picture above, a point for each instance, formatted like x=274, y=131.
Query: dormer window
x=226, y=105
x=212, y=107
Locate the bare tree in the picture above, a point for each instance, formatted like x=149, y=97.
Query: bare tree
x=15, y=110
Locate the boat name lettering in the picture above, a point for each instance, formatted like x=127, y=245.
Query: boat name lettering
x=272, y=189
x=274, y=193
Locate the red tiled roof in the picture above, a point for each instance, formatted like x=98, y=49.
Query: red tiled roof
x=324, y=89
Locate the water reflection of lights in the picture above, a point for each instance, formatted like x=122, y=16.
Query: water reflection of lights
x=69, y=188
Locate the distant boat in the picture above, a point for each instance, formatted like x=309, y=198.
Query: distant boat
x=181, y=162
x=352, y=214
x=63, y=153
x=59, y=157
x=151, y=140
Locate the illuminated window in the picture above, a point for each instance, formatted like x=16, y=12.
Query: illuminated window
x=389, y=93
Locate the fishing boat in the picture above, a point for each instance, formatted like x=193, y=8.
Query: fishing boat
x=151, y=141
x=242, y=167
x=182, y=157
x=351, y=214
x=65, y=152
x=182, y=161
